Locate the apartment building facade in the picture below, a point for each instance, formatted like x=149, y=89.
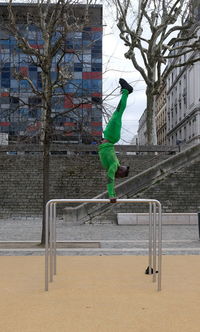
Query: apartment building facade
x=79, y=100
x=183, y=103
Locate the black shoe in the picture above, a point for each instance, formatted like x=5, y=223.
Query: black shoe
x=125, y=85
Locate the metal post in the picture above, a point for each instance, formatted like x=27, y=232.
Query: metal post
x=154, y=242
x=150, y=237
x=51, y=241
x=159, y=246
x=54, y=236
x=199, y=223
x=47, y=248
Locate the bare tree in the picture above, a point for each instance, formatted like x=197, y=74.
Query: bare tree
x=52, y=22
x=157, y=33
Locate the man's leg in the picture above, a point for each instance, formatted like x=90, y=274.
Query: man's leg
x=112, y=132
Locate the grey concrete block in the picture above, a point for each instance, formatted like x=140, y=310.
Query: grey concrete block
x=167, y=218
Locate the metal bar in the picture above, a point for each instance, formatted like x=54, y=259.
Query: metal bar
x=54, y=237
x=150, y=237
x=47, y=247
x=51, y=241
x=101, y=200
x=154, y=242
x=159, y=246
x=50, y=224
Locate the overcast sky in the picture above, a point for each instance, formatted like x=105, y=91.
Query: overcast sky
x=116, y=66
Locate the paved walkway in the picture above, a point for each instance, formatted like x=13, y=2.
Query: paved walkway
x=95, y=239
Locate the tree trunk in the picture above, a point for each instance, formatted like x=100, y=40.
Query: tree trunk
x=151, y=117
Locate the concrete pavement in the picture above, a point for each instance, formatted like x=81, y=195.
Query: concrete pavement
x=98, y=239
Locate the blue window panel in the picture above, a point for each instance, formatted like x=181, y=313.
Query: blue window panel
x=87, y=85
x=5, y=74
x=78, y=67
x=32, y=27
x=77, y=75
x=24, y=84
x=32, y=68
x=5, y=83
x=15, y=89
x=96, y=35
x=69, y=44
x=14, y=84
x=86, y=43
x=96, y=50
x=53, y=76
x=5, y=42
x=86, y=35
x=97, y=67
x=96, y=86
x=77, y=44
x=77, y=83
x=86, y=67
x=97, y=43
x=97, y=60
x=33, y=76
x=6, y=66
x=96, y=56
x=39, y=80
x=69, y=88
x=69, y=57
x=87, y=29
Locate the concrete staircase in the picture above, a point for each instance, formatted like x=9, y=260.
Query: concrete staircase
x=174, y=182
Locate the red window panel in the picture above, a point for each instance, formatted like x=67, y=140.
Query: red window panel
x=96, y=124
x=31, y=128
x=37, y=46
x=34, y=127
x=4, y=124
x=68, y=102
x=69, y=124
x=69, y=50
x=87, y=105
x=96, y=94
x=97, y=29
x=92, y=75
x=68, y=134
x=24, y=70
x=38, y=125
x=96, y=133
x=4, y=94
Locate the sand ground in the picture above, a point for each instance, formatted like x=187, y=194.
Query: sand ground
x=99, y=294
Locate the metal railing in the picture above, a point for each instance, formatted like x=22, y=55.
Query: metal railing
x=155, y=235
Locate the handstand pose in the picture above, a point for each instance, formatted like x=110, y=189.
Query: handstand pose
x=112, y=133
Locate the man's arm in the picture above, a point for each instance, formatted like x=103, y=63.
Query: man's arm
x=111, y=180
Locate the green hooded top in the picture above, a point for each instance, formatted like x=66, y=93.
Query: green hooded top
x=109, y=162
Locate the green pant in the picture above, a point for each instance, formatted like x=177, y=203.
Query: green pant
x=112, y=131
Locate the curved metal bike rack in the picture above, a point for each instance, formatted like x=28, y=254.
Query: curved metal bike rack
x=155, y=235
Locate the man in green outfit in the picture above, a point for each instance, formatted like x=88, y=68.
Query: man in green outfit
x=112, y=134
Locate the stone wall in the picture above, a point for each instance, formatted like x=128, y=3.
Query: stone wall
x=71, y=176
x=179, y=192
